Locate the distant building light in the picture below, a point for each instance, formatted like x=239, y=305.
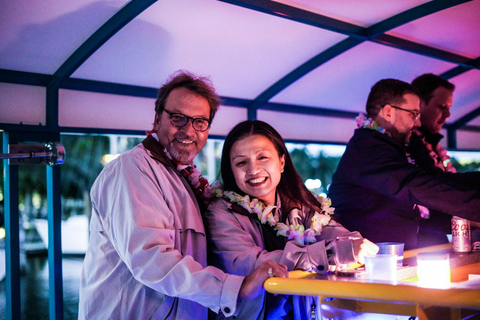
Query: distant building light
x=313, y=184
x=36, y=200
x=109, y=157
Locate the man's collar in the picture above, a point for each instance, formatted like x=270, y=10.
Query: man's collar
x=151, y=144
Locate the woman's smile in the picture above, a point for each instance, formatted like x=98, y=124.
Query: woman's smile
x=257, y=167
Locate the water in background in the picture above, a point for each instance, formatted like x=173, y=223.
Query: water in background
x=34, y=288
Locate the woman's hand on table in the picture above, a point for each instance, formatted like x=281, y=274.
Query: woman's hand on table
x=362, y=248
x=253, y=284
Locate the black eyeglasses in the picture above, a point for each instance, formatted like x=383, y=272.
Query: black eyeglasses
x=179, y=120
x=415, y=114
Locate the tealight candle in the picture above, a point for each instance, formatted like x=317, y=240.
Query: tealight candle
x=433, y=270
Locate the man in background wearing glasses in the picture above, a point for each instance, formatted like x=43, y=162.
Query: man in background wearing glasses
x=147, y=254
x=376, y=189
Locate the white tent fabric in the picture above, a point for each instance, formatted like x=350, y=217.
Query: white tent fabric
x=304, y=66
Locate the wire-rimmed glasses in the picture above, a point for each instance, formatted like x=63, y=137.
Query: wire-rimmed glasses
x=415, y=114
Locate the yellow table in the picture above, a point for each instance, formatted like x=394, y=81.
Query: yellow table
x=403, y=297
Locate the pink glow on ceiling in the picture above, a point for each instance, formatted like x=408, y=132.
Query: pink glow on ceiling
x=355, y=71
x=466, y=95
x=452, y=29
x=243, y=51
x=360, y=13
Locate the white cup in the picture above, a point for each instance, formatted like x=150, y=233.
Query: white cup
x=381, y=267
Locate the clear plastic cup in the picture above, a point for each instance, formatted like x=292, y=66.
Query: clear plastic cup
x=392, y=248
x=381, y=267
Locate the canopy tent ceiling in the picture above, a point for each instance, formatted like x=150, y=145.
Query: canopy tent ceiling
x=304, y=66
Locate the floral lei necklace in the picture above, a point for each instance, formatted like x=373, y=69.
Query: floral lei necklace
x=266, y=214
x=200, y=186
x=438, y=154
x=440, y=160
x=364, y=122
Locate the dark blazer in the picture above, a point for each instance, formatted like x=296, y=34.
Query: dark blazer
x=434, y=230
x=375, y=191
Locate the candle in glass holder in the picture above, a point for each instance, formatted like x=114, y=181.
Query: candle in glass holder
x=433, y=269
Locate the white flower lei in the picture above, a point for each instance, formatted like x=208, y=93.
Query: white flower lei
x=293, y=231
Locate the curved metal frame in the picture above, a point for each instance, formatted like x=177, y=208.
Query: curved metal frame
x=62, y=79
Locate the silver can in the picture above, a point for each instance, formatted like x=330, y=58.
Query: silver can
x=461, y=235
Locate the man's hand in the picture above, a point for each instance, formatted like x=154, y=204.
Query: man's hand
x=253, y=284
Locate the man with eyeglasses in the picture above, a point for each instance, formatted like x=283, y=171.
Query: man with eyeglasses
x=147, y=254
x=376, y=190
x=426, y=152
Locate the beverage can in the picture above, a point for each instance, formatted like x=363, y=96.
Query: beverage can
x=461, y=235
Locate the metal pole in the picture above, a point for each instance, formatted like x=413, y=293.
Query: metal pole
x=55, y=278
x=30, y=155
x=12, y=239
x=23, y=154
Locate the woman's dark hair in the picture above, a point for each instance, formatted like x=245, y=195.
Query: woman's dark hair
x=291, y=189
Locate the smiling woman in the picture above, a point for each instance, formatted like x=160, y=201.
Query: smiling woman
x=267, y=213
x=257, y=167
